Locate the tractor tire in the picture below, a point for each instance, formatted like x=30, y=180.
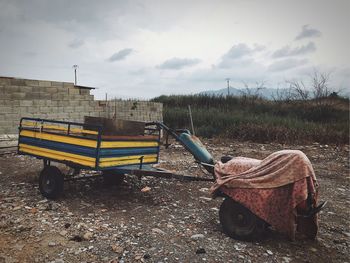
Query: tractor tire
x=51, y=182
x=239, y=222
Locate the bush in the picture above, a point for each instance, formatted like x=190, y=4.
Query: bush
x=260, y=120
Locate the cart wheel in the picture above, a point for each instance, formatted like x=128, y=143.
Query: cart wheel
x=51, y=182
x=112, y=177
x=239, y=222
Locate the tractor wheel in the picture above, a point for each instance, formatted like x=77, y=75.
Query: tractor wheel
x=239, y=222
x=112, y=177
x=51, y=182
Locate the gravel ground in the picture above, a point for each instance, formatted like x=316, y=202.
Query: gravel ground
x=160, y=220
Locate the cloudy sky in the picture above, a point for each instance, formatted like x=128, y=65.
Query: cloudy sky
x=145, y=48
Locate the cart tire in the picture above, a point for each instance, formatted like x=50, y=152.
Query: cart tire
x=51, y=182
x=239, y=222
x=111, y=177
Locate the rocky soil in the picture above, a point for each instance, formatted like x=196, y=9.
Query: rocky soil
x=160, y=220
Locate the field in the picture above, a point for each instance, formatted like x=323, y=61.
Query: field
x=252, y=118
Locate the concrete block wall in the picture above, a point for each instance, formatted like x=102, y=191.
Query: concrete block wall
x=134, y=110
x=63, y=101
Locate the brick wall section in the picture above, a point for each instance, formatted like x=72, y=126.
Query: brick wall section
x=63, y=101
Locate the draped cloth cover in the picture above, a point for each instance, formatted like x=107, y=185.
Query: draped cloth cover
x=275, y=189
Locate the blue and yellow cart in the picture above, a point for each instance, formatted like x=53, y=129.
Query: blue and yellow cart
x=84, y=146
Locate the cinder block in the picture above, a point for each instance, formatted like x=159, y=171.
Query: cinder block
x=73, y=91
x=63, y=103
x=56, y=84
x=45, y=96
x=39, y=102
x=17, y=82
x=34, y=109
x=84, y=103
x=10, y=116
x=4, y=81
x=11, y=88
x=26, y=103
x=32, y=95
x=18, y=95
x=44, y=109
x=69, y=109
x=6, y=96
x=51, y=90
x=84, y=91
x=6, y=109
x=74, y=115
x=44, y=83
x=31, y=82
x=79, y=108
x=68, y=84
x=57, y=96
x=89, y=97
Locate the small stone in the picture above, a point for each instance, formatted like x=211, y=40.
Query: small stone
x=200, y=251
x=313, y=249
x=286, y=259
x=146, y=189
x=117, y=249
x=138, y=257
x=158, y=231
x=88, y=235
x=63, y=233
x=34, y=210
x=269, y=252
x=197, y=236
x=146, y=256
x=52, y=244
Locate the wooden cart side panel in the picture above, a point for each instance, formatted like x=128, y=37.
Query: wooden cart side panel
x=80, y=151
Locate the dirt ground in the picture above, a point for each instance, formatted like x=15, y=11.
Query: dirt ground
x=173, y=221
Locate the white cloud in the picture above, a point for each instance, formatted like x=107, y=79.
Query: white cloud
x=307, y=32
x=120, y=55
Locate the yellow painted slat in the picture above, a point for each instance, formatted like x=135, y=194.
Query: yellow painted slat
x=59, y=138
x=57, y=155
x=125, y=158
x=57, y=127
x=128, y=144
x=126, y=162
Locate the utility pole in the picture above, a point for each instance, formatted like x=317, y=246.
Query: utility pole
x=75, y=73
x=228, y=87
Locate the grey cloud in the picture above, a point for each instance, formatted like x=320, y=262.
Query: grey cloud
x=239, y=53
x=178, y=63
x=287, y=64
x=120, y=55
x=307, y=32
x=287, y=51
x=76, y=43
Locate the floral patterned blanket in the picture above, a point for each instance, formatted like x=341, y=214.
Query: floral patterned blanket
x=275, y=189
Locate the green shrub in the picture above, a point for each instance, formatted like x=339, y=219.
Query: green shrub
x=260, y=120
